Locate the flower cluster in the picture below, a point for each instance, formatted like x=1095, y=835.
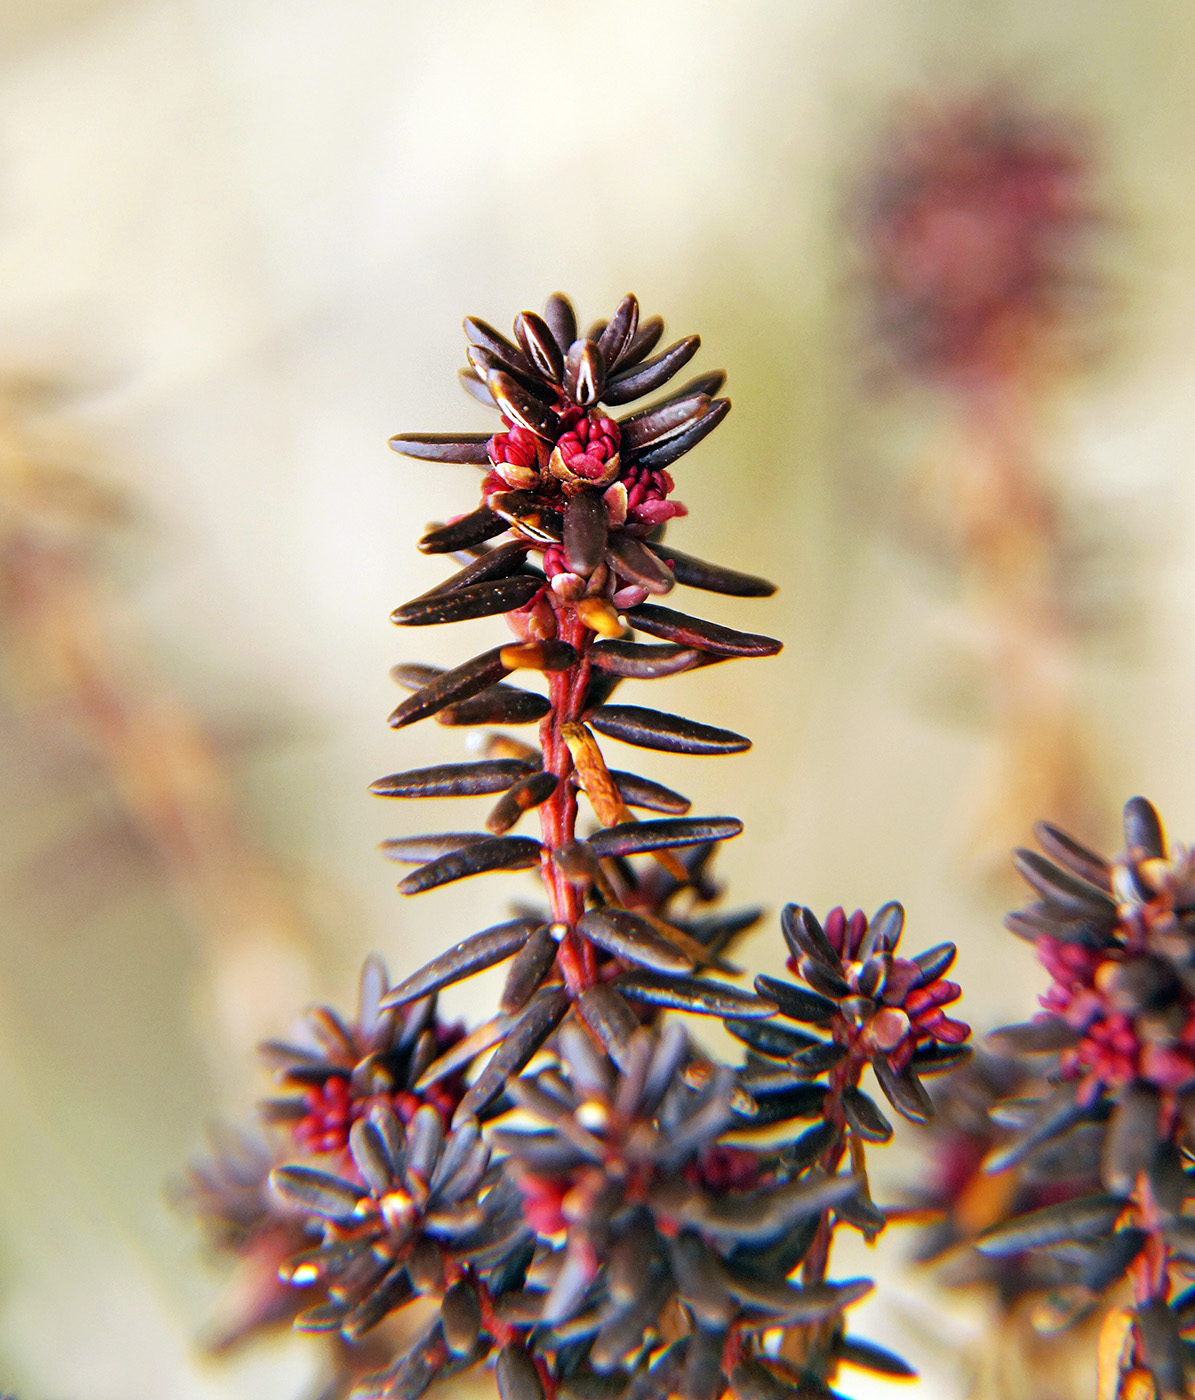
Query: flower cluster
x=419, y=1212
x=1118, y=940
x=875, y=1007
x=580, y=487
x=349, y=1067
x=659, y=1232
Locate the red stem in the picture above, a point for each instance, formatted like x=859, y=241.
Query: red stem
x=843, y=1076
x=558, y=815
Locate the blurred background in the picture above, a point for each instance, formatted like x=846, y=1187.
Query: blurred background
x=945, y=251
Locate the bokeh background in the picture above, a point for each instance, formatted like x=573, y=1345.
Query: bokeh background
x=236, y=244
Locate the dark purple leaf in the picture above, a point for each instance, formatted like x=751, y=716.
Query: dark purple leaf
x=467, y=448
x=1076, y=857
x=632, y=939
x=524, y=509
x=713, y=578
x=706, y=998
x=545, y=1012
x=1143, y=834
x=1131, y=1137
x=903, y=1090
x=870, y=1357
x=470, y=955
x=497, y=704
x=520, y=407
x=586, y=530
x=561, y=320
x=460, y=1316
x=642, y=661
x=517, y=1377
x=864, y=1116
x=771, y=1039
x=643, y=342
x=498, y=853
x=937, y=1058
x=1062, y=890
x=664, y=451
x=672, y=626
x=608, y=1016
x=523, y=796
x=481, y=524
x=484, y=599
x=643, y=792
x=806, y=937
x=935, y=961
x=655, y=729
x=418, y=850
x=454, y=779
x=584, y=373
x=317, y=1191
x=475, y=387
x=531, y=965
x=631, y=838
x=641, y=429
x=633, y=561
x=460, y=683
x=797, y=1003
x=539, y=345
x=620, y=330
x=498, y=562
x=1087, y=1218
x=633, y=383
x=481, y=333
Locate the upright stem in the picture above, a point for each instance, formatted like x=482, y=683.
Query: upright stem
x=813, y=1270
x=809, y=1343
x=558, y=815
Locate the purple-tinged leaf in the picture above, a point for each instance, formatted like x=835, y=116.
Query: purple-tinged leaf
x=464, y=448
x=454, y=779
x=706, y=998
x=643, y=792
x=633, y=383
x=797, y=1003
x=632, y=838
x=498, y=853
x=664, y=451
x=470, y=955
x=642, y=661
x=668, y=733
x=632, y=939
x=1087, y=1218
x=537, y=1022
x=671, y=626
x=481, y=524
x=486, y=599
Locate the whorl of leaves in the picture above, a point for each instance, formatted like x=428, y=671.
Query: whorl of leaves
x=1115, y=1043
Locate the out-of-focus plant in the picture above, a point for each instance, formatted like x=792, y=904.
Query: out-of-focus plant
x=1117, y=938
x=976, y=227
x=575, y=1192
x=84, y=693
x=1064, y=1174
x=1020, y=1351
